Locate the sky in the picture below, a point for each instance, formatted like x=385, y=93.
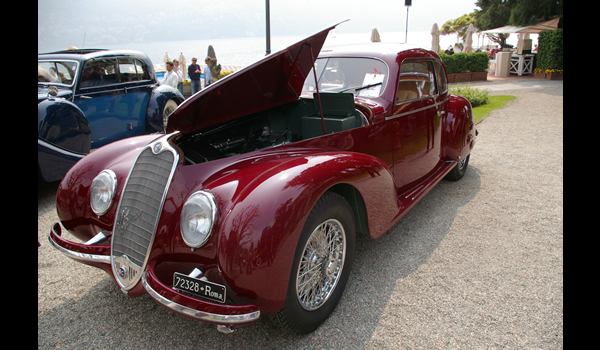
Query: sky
x=62, y=23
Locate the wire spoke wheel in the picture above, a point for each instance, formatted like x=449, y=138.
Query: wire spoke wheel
x=321, y=266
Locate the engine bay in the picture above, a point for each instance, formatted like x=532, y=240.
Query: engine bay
x=296, y=121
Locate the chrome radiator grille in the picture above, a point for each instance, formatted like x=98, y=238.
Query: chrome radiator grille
x=139, y=211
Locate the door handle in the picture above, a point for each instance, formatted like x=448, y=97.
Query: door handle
x=85, y=97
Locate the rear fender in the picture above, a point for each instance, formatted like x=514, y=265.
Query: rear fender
x=259, y=233
x=459, y=129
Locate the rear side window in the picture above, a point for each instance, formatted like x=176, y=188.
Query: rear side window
x=99, y=72
x=131, y=69
x=417, y=80
x=441, y=77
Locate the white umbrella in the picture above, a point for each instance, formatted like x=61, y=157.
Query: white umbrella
x=375, y=36
x=183, y=66
x=435, y=38
x=167, y=58
x=469, y=40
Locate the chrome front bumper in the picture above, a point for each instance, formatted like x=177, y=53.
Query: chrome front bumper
x=220, y=314
x=98, y=255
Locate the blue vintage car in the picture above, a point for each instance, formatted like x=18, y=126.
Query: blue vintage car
x=89, y=98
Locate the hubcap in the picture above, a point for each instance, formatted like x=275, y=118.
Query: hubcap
x=321, y=264
x=461, y=163
x=166, y=115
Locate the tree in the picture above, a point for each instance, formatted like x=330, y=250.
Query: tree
x=494, y=14
x=458, y=26
x=499, y=13
x=529, y=12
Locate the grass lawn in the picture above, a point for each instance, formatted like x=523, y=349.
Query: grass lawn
x=495, y=102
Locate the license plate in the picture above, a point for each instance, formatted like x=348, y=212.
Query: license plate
x=198, y=287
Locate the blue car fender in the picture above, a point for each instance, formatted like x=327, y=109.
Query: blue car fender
x=161, y=94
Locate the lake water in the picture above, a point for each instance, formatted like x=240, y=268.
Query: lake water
x=244, y=51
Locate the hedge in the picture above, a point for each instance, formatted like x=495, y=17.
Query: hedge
x=466, y=62
x=550, y=50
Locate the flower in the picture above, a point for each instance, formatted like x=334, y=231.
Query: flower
x=548, y=71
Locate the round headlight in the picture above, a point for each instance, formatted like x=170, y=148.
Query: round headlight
x=197, y=218
x=103, y=191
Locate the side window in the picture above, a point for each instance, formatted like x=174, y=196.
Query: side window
x=99, y=72
x=56, y=72
x=416, y=81
x=441, y=77
x=131, y=69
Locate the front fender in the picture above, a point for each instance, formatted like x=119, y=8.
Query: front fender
x=63, y=124
x=64, y=137
x=258, y=235
x=73, y=193
x=160, y=95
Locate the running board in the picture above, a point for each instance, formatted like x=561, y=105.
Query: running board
x=409, y=198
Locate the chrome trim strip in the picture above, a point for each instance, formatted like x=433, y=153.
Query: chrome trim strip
x=59, y=150
x=199, y=315
x=99, y=238
x=80, y=256
x=415, y=110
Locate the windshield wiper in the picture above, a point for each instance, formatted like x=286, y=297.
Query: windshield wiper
x=357, y=88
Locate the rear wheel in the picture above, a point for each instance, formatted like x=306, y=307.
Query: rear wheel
x=459, y=170
x=322, y=264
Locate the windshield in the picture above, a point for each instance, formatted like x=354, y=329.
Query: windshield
x=365, y=77
x=57, y=72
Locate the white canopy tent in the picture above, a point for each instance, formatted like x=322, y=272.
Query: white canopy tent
x=536, y=28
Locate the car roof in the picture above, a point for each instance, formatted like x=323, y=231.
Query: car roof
x=387, y=51
x=86, y=54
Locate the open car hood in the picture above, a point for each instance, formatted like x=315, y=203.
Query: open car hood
x=275, y=80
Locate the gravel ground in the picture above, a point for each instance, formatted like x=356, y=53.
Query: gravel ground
x=476, y=264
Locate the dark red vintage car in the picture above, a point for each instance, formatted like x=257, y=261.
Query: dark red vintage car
x=249, y=204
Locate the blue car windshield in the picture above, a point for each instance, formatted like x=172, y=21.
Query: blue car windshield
x=57, y=72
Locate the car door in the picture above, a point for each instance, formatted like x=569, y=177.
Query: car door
x=113, y=111
x=416, y=121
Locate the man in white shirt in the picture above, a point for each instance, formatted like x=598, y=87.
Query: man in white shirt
x=179, y=75
x=170, y=76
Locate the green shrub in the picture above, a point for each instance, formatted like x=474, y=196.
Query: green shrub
x=477, y=97
x=465, y=62
x=550, y=50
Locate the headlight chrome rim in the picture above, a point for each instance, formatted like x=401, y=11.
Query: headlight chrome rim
x=191, y=218
x=107, y=179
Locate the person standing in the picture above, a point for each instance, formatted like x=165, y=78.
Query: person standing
x=179, y=75
x=170, y=77
x=194, y=73
x=207, y=71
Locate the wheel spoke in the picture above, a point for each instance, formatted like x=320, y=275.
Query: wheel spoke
x=321, y=264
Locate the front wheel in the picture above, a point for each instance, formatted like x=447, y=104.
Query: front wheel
x=322, y=264
x=170, y=106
